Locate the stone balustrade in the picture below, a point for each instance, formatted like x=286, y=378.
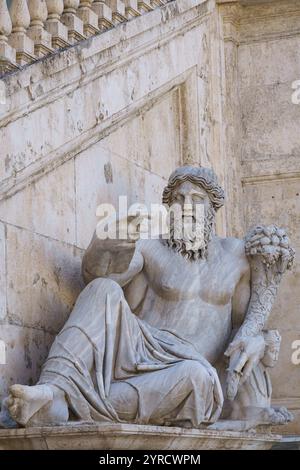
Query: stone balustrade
x=32, y=29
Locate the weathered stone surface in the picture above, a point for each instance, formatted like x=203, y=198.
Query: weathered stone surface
x=47, y=206
x=43, y=280
x=26, y=349
x=127, y=436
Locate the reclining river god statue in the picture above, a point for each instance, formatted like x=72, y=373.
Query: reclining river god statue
x=168, y=331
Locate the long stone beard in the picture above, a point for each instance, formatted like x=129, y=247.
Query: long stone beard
x=193, y=243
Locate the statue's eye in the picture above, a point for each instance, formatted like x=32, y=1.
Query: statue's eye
x=198, y=198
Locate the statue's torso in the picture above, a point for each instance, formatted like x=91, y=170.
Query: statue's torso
x=191, y=298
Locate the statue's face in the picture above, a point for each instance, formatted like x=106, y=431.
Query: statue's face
x=271, y=356
x=190, y=196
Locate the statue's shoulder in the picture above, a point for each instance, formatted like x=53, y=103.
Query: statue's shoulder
x=146, y=245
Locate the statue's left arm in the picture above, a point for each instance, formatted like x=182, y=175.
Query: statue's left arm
x=269, y=255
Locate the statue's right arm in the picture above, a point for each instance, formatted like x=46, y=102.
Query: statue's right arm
x=104, y=257
x=135, y=267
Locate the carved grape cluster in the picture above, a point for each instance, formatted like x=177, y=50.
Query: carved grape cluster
x=272, y=243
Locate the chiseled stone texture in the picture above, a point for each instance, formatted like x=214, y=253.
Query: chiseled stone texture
x=130, y=436
x=26, y=349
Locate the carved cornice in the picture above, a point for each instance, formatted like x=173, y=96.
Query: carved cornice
x=262, y=171
x=231, y=15
x=246, y=21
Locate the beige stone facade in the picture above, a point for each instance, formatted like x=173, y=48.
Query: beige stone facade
x=193, y=81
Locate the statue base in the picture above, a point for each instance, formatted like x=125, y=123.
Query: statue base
x=133, y=437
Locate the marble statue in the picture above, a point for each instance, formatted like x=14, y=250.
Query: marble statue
x=168, y=331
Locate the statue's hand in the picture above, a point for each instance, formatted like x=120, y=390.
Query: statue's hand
x=245, y=353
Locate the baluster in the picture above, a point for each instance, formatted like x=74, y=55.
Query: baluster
x=23, y=44
x=7, y=53
x=131, y=8
x=145, y=6
x=54, y=26
x=104, y=14
x=88, y=17
x=157, y=3
x=118, y=11
x=42, y=39
x=72, y=22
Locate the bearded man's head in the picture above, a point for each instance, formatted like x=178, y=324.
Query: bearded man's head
x=193, y=196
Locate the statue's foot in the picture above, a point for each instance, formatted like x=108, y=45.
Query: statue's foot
x=232, y=425
x=24, y=402
x=6, y=420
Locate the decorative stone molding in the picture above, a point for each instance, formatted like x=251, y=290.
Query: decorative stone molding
x=124, y=436
x=145, y=5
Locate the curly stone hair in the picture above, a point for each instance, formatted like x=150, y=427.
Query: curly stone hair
x=204, y=177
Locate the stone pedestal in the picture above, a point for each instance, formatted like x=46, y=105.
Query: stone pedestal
x=131, y=436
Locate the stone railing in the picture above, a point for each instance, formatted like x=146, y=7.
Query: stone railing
x=32, y=29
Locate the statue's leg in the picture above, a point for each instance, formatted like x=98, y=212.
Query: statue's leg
x=179, y=395
x=38, y=405
x=125, y=400
x=191, y=401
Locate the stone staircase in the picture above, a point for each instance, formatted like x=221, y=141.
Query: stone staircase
x=33, y=29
